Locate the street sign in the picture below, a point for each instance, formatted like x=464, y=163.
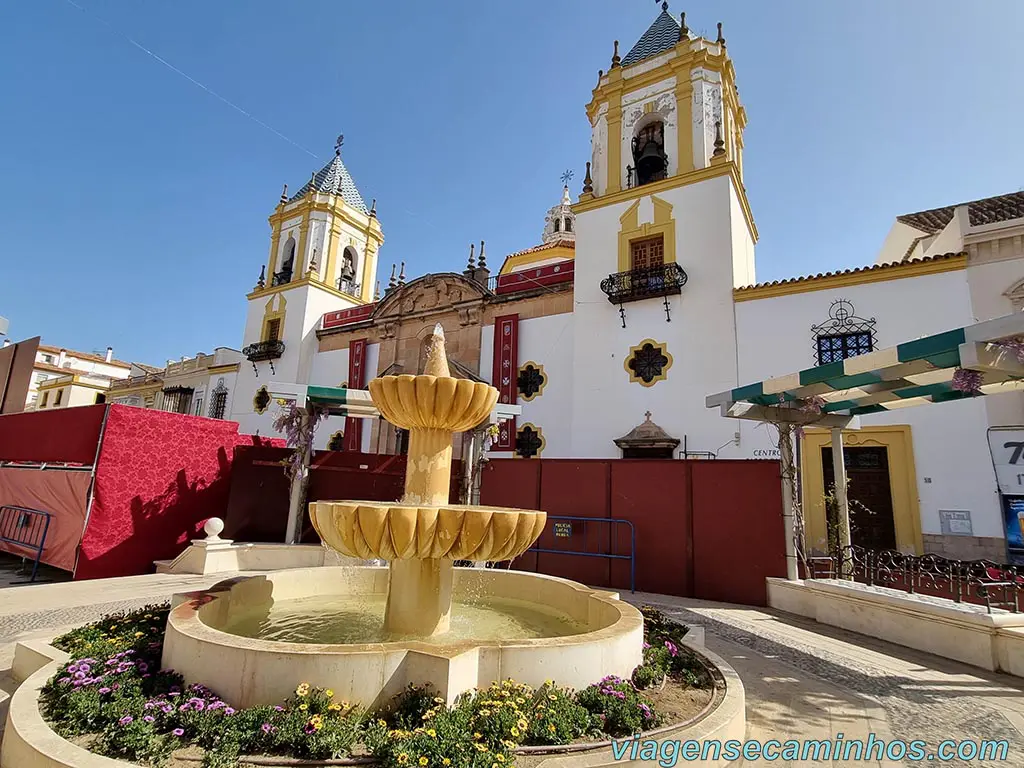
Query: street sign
x=563, y=530
x=1007, y=446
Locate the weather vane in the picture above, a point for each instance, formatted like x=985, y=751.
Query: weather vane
x=567, y=177
x=338, y=142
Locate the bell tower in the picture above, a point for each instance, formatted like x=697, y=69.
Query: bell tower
x=324, y=242
x=664, y=233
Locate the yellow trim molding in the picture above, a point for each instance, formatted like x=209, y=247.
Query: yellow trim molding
x=874, y=274
x=516, y=261
x=227, y=368
x=305, y=281
x=898, y=442
x=663, y=348
x=539, y=432
x=543, y=380
x=630, y=231
x=270, y=314
x=674, y=182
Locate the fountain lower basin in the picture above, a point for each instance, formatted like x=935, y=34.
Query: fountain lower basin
x=590, y=634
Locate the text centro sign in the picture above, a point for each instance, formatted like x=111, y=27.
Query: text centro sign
x=1007, y=447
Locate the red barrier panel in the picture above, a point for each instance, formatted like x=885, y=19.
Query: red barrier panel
x=706, y=529
x=160, y=476
x=68, y=435
x=737, y=529
x=63, y=494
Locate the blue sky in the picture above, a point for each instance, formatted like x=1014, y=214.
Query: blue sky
x=135, y=203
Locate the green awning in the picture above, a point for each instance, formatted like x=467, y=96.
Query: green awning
x=913, y=373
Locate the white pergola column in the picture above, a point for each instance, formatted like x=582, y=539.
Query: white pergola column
x=788, y=519
x=842, y=499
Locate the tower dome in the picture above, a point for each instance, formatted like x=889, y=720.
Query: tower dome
x=560, y=222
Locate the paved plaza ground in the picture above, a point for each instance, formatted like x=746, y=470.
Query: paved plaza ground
x=802, y=679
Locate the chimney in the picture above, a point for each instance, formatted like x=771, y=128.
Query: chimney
x=61, y=358
x=7, y=342
x=110, y=354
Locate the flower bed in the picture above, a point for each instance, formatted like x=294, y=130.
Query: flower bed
x=112, y=698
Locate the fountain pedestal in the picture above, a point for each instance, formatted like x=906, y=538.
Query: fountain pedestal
x=419, y=597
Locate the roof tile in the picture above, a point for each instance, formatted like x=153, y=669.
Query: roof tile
x=661, y=36
x=334, y=179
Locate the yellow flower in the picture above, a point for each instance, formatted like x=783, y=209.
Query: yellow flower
x=500, y=758
x=403, y=758
x=477, y=736
x=334, y=706
x=520, y=700
x=302, y=690
x=522, y=724
x=381, y=722
x=446, y=761
x=552, y=696
x=485, y=712
x=423, y=760
x=330, y=693
x=439, y=700
x=514, y=731
x=303, y=707
x=481, y=747
x=431, y=733
x=551, y=727
x=138, y=634
x=549, y=682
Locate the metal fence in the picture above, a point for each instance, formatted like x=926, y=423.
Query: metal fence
x=26, y=529
x=983, y=582
x=560, y=522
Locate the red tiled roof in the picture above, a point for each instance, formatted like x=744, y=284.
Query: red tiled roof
x=83, y=355
x=853, y=271
x=988, y=210
x=545, y=247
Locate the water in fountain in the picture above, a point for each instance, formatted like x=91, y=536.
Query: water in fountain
x=360, y=619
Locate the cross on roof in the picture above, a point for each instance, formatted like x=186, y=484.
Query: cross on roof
x=567, y=177
x=338, y=142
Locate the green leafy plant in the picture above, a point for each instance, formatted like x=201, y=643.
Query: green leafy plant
x=620, y=710
x=555, y=717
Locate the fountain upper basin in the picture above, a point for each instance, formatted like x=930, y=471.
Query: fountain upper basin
x=607, y=637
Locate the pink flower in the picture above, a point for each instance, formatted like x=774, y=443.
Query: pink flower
x=149, y=719
x=104, y=690
x=126, y=719
x=178, y=731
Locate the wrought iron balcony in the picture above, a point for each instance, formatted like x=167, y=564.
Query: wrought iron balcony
x=349, y=286
x=264, y=350
x=637, y=284
x=281, y=278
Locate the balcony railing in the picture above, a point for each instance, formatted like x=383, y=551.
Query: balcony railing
x=264, y=350
x=350, y=287
x=637, y=284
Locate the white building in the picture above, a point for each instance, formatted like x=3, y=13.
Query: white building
x=199, y=386
x=641, y=299
x=62, y=378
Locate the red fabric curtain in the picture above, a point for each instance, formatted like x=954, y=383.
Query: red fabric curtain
x=69, y=435
x=61, y=493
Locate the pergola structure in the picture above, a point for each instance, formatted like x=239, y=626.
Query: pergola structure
x=835, y=395
x=351, y=403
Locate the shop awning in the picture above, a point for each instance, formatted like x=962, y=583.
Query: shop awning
x=913, y=373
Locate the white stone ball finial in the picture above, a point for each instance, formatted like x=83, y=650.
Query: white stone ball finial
x=213, y=527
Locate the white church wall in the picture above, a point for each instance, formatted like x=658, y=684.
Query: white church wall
x=548, y=341
x=953, y=466
x=700, y=337
x=743, y=267
x=487, y=353
x=330, y=368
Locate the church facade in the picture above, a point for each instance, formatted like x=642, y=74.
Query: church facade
x=641, y=299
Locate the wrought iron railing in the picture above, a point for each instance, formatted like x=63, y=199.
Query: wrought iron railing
x=348, y=286
x=662, y=280
x=264, y=350
x=983, y=582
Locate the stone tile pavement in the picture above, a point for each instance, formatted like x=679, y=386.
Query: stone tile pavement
x=806, y=680
x=803, y=680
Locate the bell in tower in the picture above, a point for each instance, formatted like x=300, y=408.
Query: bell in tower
x=650, y=163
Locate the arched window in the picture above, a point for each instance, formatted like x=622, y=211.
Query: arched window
x=650, y=163
x=287, y=263
x=348, y=279
x=558, y=224
x=568, y=224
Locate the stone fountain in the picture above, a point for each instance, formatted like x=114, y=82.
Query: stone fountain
x=423, y=534
x=253, y=639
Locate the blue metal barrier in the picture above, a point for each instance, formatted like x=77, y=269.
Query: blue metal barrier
x=25, y=528
x=612, y=522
